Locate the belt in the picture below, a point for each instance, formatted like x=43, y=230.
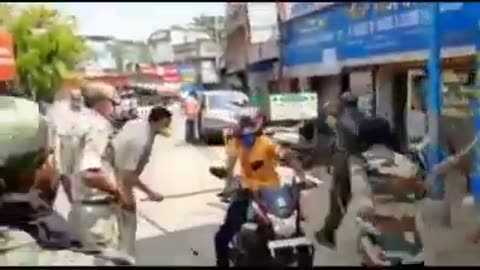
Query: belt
x=104, y=201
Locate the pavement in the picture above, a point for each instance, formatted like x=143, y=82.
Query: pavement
x=179, y=231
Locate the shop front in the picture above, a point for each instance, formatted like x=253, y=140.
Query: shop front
x=387, y=42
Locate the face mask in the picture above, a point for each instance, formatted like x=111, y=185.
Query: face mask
x=166, y=132
x=248, y=140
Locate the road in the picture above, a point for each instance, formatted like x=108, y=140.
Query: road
x=179, y=231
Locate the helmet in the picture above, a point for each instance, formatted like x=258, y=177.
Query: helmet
x=24, y=137
x=249, y=119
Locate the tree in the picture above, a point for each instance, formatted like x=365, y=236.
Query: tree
x=213, y=26
x=6, y=14
x=46, y=49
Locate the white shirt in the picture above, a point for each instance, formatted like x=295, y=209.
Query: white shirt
x=133, y=146
x=65, y=120
x=68, y=127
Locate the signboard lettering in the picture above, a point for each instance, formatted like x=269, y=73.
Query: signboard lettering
x=293, y=106
x=365, y=29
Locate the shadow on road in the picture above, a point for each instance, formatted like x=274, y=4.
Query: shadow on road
x=190, y=247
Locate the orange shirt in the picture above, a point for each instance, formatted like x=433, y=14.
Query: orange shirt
x=191, y=108
x=264, y=151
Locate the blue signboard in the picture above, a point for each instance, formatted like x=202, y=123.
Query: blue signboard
x=366, y=29
x=475, y=174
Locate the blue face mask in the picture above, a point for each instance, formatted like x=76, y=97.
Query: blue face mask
x=248, y=140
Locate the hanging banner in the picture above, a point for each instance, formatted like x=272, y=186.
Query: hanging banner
x=301, y=106
x=7, y=58
x=171, y=74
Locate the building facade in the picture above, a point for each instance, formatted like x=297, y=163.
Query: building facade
x=380, y=51
x=104, y=57
x=236, y=49
x=191, y=50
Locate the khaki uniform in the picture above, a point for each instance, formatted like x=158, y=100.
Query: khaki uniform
x=17, y=248
x=133, y=146
x=94, y=215
x=388, y=215
x=70, y=126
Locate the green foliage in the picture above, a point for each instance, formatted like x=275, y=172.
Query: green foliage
x=43, y=58
x=6, y=14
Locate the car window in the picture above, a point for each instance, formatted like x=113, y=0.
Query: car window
x=225, y=101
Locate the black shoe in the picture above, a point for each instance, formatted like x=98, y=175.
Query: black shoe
x=225, y=199
x=326, y=239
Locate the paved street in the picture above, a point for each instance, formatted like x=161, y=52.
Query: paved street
x=179, y=230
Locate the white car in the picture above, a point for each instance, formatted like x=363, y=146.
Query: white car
x=219, y=111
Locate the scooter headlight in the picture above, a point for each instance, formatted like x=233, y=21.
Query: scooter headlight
x=284, y=226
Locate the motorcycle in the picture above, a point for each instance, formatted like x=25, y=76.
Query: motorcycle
x=272, y=235
x=289, y=138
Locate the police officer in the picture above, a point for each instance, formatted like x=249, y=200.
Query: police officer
x=132, y=147
x=94, y=188
x=347, y=123
x=31, y=232
x=67, y=120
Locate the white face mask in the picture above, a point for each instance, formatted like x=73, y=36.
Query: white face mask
x=166, y=132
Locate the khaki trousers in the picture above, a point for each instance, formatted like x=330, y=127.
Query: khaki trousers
x=127, y=232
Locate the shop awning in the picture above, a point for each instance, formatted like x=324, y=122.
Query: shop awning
x=262, y=66
x=319, y=69
x=422, y=55
x=310, y=70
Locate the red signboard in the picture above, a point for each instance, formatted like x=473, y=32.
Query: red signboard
x=171, y=74
x=113, y=79
x=7, y=58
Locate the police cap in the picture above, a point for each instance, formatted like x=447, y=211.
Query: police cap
x=94, y=92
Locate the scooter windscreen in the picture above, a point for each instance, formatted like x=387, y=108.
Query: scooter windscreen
x=280, y=202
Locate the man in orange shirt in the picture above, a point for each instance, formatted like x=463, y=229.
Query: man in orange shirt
x=258, y=157
x=191, y=108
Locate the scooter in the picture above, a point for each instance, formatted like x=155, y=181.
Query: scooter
x=272, y=235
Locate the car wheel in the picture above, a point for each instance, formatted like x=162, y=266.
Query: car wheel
x=203, y=138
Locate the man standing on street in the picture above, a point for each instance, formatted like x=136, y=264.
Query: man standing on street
x=347, y=130
x=65, y=116
x=94, y=188
x=191, y=108
x=132, y=147
x=69, y=126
